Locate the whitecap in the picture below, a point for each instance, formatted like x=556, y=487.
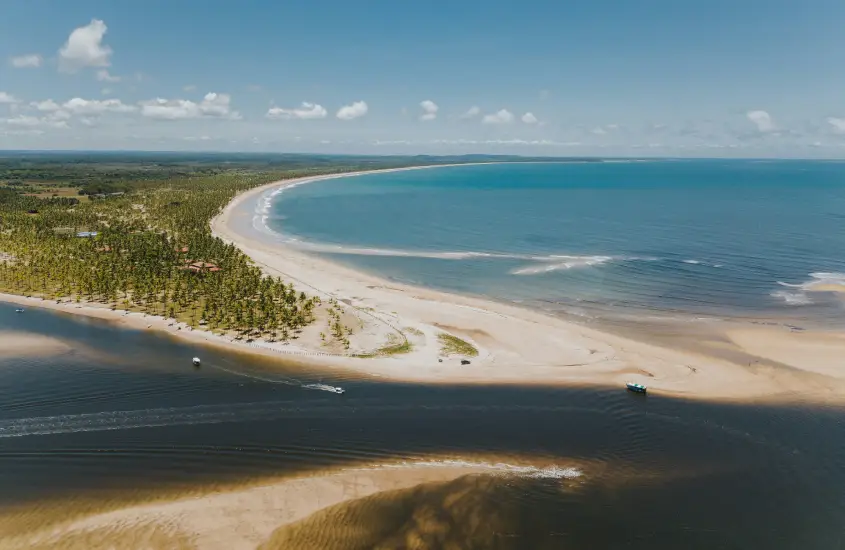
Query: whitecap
x=568, y=262
x=792, y=298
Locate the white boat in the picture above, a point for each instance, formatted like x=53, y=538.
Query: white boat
x=196, y=361
x=325, y=387
x=19, y=310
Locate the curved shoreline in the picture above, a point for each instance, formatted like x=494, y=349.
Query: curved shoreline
x=523, y=346
x=516, y=345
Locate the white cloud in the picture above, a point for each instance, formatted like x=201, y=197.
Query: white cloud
x=838, y=124
x=189, y=88
x=762, y=120
x=471, y=112
x=84, y=48
x=529, y=118
x=47, y=105
x=355, y=110
x=7, y=98
x=599, y=131
x=26, y=61
x=306, y=111
x=104, y=76
x=502, y=116
x=81, y=106
x=28, y=121
x=213, y=105
x=349, y=112
x=430, y=109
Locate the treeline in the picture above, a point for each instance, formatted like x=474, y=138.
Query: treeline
x=153, y=252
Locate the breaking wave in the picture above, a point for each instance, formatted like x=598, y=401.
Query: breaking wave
x=819, y=281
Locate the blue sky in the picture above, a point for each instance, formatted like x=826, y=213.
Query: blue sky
x=651, y=77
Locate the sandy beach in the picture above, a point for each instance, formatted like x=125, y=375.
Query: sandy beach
x=522, y=346
x=515, y=345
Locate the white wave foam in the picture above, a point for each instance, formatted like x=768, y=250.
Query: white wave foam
x=547, y=472
x=695, y=262
x=792, y=298
x=562, y=263
x=817, y=280
x=824, y=278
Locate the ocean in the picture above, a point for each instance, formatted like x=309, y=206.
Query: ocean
x=673, y=238
x=123, y=417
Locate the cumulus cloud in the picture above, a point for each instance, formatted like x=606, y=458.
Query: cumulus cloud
x=762, y=120
x=502, y=116
x=304, y=112
x=529, y=118
x=26, y=61
x=104, y=76
x=213, y=105
x=355, y=110
x=599, y=131
x=28, y=121
x=838, y=124
x=471, y=112
x=80, y=106
x=7, y=98
x=47, y=105
x=85, y=48
x=430, y=109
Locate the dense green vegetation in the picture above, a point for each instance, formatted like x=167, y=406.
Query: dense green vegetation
x=153, y=250
x=453, y=345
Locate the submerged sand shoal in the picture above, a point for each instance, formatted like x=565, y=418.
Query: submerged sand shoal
x=27, y=344
x=232, y=520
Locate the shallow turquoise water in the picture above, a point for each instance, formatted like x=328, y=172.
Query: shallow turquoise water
x=712, y=238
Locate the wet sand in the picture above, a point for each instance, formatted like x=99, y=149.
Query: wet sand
x=233, y=520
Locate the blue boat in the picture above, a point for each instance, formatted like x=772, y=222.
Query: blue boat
x=636, y=388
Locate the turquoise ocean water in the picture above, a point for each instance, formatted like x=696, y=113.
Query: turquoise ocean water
x=711, y=238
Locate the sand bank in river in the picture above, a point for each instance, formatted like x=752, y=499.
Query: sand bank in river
x=245, y=518
x=26, y=344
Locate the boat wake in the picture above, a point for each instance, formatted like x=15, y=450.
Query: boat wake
x=500, y=468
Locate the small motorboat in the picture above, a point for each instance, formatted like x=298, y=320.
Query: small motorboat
x=196, y=361
x=636, y=388
x=19, y=310
x=325, y=387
